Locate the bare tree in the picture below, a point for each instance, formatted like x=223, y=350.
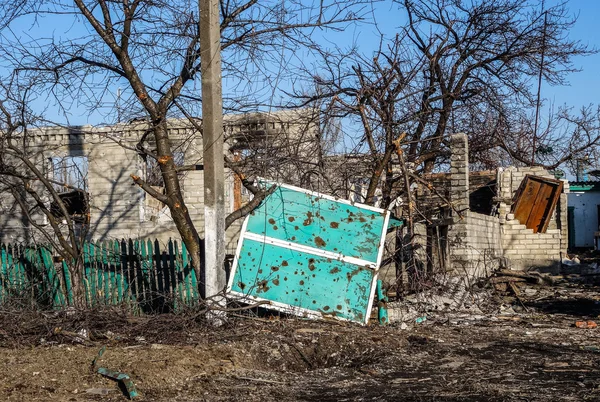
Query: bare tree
x=152, y=49
x=49, y=194
x=454, y=66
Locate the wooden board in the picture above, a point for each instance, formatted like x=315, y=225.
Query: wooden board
x=535, y=202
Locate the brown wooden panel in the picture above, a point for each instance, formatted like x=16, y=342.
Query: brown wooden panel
x=526, y=198
x=536, y=217
x=535, y=202
x=548, y=214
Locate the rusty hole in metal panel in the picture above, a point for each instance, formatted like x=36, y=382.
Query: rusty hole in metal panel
x=311, y=264
x=339, y=306
x=301, y=283
x=350, y=275
x=326, y=308
x=271, y=221
x=285, y=278
x=309, y=219
x=260, y=271
x=261, y=286
x=276, y=282
x=334, y=225
x=334, y=270
x=274, y=268
x=241, y=285
x=320, y=242
x=291, y=219
x=296, y=228
x=284, y=263
x=314, y=302
x=275, y=227
x=293, y=238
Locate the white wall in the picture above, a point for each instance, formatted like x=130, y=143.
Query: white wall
x=585, y=216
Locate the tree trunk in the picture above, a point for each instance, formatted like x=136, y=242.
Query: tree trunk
x=175, y=203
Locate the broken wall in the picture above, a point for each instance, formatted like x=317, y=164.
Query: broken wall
x=119, y=209
x=523, y=248
x=474, y=238
x=483, y=234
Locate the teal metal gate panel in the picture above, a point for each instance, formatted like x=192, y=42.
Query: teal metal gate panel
x=310, y=254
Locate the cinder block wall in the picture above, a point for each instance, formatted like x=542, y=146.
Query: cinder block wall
x=480, y=243
x=525, y=249
x=485, y=241
x=117, y=208
x=475, y=239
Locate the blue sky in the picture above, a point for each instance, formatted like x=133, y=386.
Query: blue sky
x=583, y=90
x=584, y=86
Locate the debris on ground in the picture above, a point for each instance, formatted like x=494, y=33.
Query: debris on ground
x=125, y=382
x=586, y=324
x=463, y=351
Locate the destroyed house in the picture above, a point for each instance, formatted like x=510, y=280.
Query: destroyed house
x=92, y=167
x=513, y=217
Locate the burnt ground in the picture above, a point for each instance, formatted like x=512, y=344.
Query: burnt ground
x=531, y=351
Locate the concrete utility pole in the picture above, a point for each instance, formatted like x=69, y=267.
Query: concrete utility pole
x=212, y=133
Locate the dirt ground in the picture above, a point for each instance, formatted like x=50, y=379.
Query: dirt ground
x=528, y=350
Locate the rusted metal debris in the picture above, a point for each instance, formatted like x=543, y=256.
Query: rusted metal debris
x=124, y=379
x=311, y=255
x=125, y=382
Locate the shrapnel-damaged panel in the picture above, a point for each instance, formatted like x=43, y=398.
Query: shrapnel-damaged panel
x=295, y=278
x=310, y=254
x=315, y=221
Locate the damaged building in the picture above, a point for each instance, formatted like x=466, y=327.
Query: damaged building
x=91, y=169
x=513, y=217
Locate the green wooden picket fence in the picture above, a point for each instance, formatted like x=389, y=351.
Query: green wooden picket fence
x=141, y=274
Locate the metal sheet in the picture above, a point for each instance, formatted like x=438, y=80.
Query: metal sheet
x=314, y=220
x=310, y=254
